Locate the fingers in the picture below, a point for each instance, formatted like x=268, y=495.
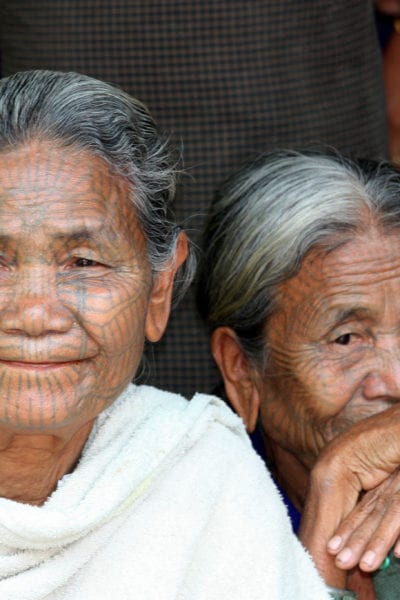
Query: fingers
x=367, y=534
x=354, y=531
x=353, y=534
x=326, y=505
x=368, y=549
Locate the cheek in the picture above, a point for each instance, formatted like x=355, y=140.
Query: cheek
x=313, y=378
x=288, y=395
x=338, y=380
x=301, y=395
x=339, y=389
x=111, y=313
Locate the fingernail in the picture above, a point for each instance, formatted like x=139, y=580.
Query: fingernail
x=368, y=558
x=334, y=543
x=344, y=556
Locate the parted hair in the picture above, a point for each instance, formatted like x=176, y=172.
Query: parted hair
x=75, y=110
x=264, y=220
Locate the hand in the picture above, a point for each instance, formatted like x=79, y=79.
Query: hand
x=358, y=460
x=371, y=529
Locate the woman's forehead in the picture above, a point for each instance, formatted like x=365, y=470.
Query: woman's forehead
x=361, y=270
x=64, y=188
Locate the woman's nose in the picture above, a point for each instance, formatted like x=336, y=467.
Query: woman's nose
x=384, y=379
x=34, y=308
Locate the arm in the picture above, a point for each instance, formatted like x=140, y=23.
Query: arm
x=363, y=459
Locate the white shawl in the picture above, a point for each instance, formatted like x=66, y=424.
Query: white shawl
x=168, y=502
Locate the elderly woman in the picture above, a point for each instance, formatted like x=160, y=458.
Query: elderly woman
x=301, y=287
x=110, y=490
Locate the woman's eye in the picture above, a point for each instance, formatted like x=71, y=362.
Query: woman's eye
x=85, y=262
x=343, y=340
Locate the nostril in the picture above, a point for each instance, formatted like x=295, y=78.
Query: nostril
x=375, y=386
x=35, y=317
x=384, y=382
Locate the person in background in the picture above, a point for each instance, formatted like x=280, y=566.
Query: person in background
x=299, y=285
x=390, y=9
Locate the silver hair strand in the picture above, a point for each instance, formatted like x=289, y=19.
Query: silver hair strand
x=268, y=216
x=76, y=110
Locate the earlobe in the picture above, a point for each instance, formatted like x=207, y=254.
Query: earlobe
x=159, y=305
x=239, y=376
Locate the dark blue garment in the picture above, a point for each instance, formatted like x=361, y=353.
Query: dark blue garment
x=258, y=445
x=384, y=27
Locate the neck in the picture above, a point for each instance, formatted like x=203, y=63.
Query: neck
x=32, y=464
x=290, y=474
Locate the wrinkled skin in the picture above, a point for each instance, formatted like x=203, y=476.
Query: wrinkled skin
x=77, y=299
x=334, y=360
x=335, y=357
x=72, y=300
x=334, y=344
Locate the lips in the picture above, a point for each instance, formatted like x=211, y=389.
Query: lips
x=38, y=366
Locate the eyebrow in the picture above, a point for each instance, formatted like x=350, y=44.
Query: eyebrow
x=354, y=312
x=91, y=234
x=77, y=235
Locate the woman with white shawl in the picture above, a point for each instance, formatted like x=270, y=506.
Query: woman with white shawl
x=110, y=490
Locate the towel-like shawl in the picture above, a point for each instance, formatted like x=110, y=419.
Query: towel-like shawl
x=168, y=502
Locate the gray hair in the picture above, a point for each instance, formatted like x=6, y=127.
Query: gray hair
x=75, y=110
x=268, y=216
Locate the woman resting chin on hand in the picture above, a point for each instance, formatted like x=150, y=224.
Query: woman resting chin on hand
x=300, y=285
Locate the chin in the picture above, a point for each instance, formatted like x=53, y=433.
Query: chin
x=39, y=413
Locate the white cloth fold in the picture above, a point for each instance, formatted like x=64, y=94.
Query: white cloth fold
x=168, y=501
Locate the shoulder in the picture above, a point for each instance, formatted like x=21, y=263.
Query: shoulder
x=203, y=413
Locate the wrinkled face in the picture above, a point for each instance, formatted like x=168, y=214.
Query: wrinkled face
x=335, y=344
x=75, y=286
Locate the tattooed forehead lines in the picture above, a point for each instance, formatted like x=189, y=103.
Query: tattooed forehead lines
x=47, y=169
x=51, y=186
x=94, y=230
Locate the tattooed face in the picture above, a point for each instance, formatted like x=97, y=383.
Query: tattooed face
x=75, y=288
x=335, y=344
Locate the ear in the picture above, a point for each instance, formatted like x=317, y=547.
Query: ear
x=239, y=377
x=161, y=294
